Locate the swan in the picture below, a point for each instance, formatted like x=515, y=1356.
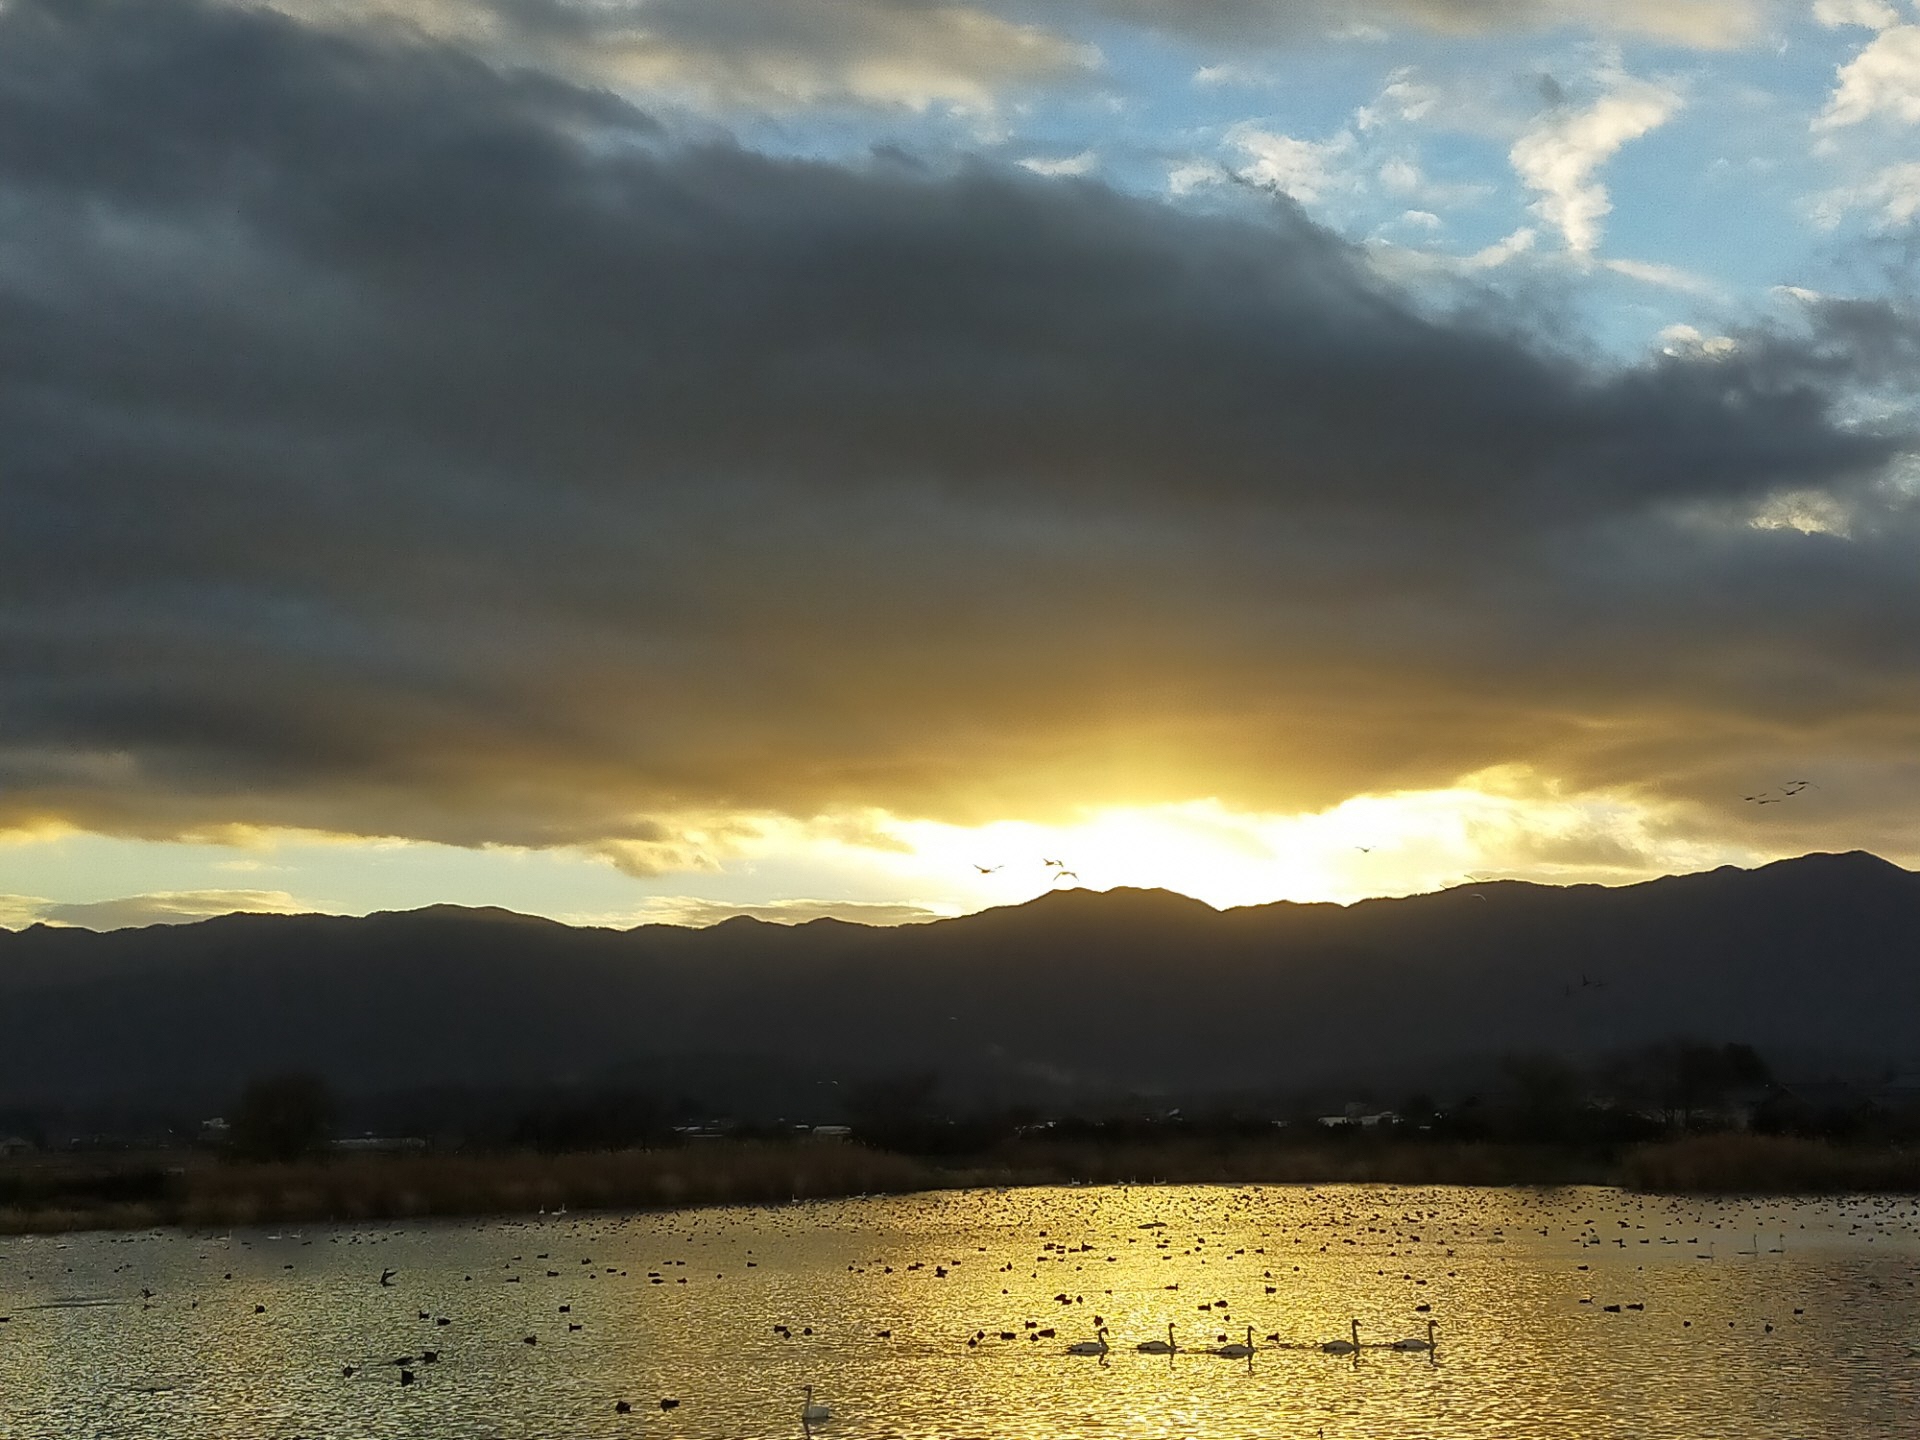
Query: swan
x=1095, y=1346
x=1345, y=1347
x=812, y=1414
x=1415, y=1343
x=1159, y=1347
x=1237, y=1351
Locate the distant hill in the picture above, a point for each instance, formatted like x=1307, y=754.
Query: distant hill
x=1077, y=993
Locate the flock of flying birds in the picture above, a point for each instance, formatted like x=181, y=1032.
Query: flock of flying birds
x=1059, y=870
x=1783, y=792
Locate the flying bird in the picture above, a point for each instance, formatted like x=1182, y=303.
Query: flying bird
x=988, y=869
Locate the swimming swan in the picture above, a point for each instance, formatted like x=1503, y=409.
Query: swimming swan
x=1237, y=1351
x=1159, y=1347
x=1095, y=1346
x=812, y=1414
x=1344, y=1347
x=1415, y=1343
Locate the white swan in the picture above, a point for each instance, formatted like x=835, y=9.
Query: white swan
x=1237, y=1351
x=812, y=1414
x=1159, y=1347
x=1344, y=1347
x=1095, y=1346
x=1414, y=1343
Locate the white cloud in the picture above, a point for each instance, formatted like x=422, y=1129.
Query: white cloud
x=1307, y=170
x=1503, y=250
x=1893, y=194
x=1402, y=176
x=1190, y=175
x=1559, y=157
x=1085, y=163
x=1688, y=342
x=1227, y=73
x=1667, y=277
x=1883, y=79
x=1873, y=14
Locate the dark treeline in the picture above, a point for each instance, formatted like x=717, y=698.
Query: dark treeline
x=1676, y=1087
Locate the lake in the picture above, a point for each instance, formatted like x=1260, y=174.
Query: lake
x=1757, y=1318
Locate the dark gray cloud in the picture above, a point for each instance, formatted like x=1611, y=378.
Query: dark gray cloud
x=393, y=445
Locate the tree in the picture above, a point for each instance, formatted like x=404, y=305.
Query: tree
x=282, y=1117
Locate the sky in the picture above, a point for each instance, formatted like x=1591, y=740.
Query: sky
x=655, y=460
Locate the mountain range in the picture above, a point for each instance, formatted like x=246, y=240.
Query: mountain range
x=1074, y=995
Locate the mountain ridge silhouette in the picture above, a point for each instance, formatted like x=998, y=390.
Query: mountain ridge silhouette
x=1073, y=994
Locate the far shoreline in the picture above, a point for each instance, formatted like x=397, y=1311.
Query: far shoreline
x=55, y=1194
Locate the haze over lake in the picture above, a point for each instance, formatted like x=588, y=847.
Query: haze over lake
x=1813, y=1334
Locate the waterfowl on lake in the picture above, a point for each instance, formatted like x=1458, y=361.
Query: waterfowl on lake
x=1237, y=1351
x=1414, y=1342
x=1344, y=1347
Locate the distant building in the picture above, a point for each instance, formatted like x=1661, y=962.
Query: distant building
x=379, y=1144
x=1356, y=1117
x=14, y=1145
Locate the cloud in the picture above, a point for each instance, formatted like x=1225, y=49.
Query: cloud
x=1870, y=14
x=1883, y=79
x=1305, y=170
x=734, y=52
x=1892, y=194
x=167, y=907
x=1688, y=340
x=399, y=446
x=1707, y=24
x=1508, y=247
x=1085, y=163
x=1559, y=157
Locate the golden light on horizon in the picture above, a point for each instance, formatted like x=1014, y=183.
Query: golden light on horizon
x=1499, y=824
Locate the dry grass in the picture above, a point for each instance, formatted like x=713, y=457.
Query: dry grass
x=136, y=1193
x=1768, y=1165
x=384, y=1187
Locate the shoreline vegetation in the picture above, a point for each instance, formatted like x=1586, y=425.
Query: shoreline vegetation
x=55, y=1194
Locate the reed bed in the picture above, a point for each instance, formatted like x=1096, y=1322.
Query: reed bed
x=139, y=1194
x=1769, y=1165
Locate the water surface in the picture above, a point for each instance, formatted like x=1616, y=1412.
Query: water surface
x=1760, y=1319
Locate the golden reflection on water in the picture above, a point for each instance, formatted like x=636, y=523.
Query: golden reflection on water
x=879, y=1299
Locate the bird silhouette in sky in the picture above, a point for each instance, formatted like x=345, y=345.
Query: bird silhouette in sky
x=1786, y=792
x=988, y=869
